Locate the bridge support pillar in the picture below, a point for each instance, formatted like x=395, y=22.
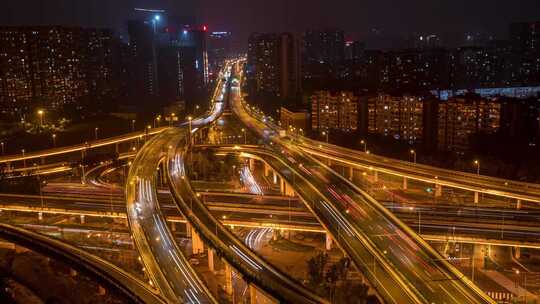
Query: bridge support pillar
x=257, y=296
x=350, y=173
x=275, y=234
x=517, y=253
x=83, y=221
x=282, y=186
x=228, y=279
x=518, y=204
x=376, y=176
x=197, y=245
x=188, y=229
x=328, y=241
x=289, y=191
x=252, y=164
x=211, y=265
x=476, y=197
x=40, y=216
x=274, y=177
x=405, y=183
x=266, y=170
x=173, y=226
x=438, y=190
x=101, y=290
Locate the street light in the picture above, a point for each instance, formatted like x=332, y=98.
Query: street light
x=414, y=155
x=325, y=133
x=24, y=160
x=133, y=125
x=3, y=151
x=363, y=142
x=477, y=163
x=96, y=129
x=245, y=136
x=54, y=140
x=40, y=113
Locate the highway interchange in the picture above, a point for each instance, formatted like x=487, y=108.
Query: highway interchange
x=399, y=264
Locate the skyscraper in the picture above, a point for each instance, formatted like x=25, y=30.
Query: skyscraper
x=219, y=49
x=54, y=66
x=170, y=60
x=273, y=64
x=323, y=53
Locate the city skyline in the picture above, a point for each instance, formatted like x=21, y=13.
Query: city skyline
x=373, y=22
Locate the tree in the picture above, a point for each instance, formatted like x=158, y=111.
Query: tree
x=316, y=268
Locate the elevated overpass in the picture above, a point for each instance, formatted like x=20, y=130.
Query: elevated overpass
x=103, y=271
x=398, y=263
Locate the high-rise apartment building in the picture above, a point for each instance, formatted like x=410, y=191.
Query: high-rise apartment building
x=53, y=66
x=461, y=117
x=323, y=54
x=272, y=66
x=398, y=116
x=334, y=111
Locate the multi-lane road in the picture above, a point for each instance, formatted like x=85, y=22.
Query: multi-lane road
x=398, y=263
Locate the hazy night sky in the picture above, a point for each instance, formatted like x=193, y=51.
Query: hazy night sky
x=357, y=17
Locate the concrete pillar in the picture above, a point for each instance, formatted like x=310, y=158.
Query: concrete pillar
x=252, y=164
x=173, y=226
x=101, y=291
x=476, y=197
x=328, y=241
x=40, y=216
x=405, y=186
x=211, y=266
x=72, y=272
x=438, y=190
x=228, y=279
x=376, y=176
x=42, y=160
x=117, y=148
x=274, y=177
x=252, y=294
x=518, y=204
x=188, y=229
x=517, y=252
x=350, y=173
x=258, y=296
x=266, y=170
x=282, y=186
x=83, y=221
x=289, y=191
x=197, y=245
x=275, y=234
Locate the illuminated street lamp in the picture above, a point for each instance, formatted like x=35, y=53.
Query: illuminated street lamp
x=363, y=142
x=477, y=163
x=245, y=136
x=40, y=113
x=190, y=119
x=54, y=140
x=326, y=133
x=133, y=125
x=96, y=129
x=413, y=153
x=24, y=160
x=2, y=144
